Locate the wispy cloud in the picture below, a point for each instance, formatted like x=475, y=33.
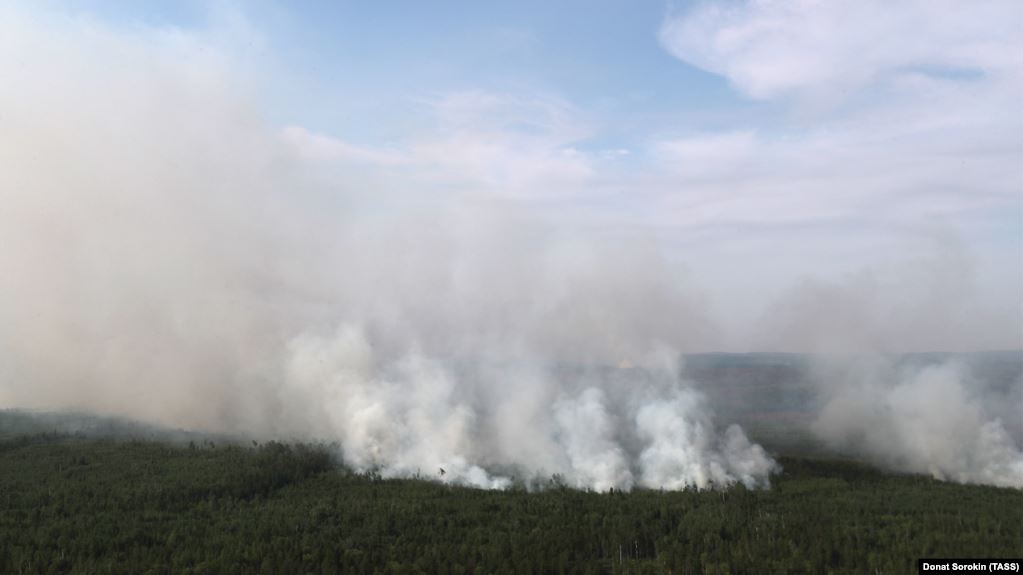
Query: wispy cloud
x=770, y=49
x=518, y=146
x=323, y=148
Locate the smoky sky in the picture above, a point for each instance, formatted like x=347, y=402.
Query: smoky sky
x=168, y=254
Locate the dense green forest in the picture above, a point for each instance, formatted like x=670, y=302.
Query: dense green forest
x=85, y=505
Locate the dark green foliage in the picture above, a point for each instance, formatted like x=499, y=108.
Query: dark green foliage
x=93, y=506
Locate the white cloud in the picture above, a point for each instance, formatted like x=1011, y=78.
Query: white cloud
x=509, y=145
x=771, y=48
x=947, y=151
x=497, y=145
x=890, y=120
x=926, y=144
x=323, y=148
x=707, y=156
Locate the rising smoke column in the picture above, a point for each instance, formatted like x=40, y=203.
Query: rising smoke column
x=409, y=414
x=166, y=256
x=935, y=417
x=928, y=419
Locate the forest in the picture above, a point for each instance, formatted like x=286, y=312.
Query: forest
x=72, y=503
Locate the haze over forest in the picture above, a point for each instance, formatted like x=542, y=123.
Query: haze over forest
x=427, y=236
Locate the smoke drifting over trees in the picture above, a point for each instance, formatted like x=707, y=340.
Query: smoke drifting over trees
x=931, y=419
x=167, y=256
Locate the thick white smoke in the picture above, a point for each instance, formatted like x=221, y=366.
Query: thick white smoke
x=415, y=414
x=925, y=419
x=700, y=458
x=588, y=433
x=166, y=256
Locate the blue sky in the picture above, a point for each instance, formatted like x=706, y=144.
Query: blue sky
x=346, y=67
x=767, y=146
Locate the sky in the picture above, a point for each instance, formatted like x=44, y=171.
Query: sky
x=850, y=157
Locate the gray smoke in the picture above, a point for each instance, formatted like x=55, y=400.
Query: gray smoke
x=933, y=419
x=166, y=256
x=927, y=302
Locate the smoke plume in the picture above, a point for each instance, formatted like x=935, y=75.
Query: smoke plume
x=167, y=256
x=931, y=419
